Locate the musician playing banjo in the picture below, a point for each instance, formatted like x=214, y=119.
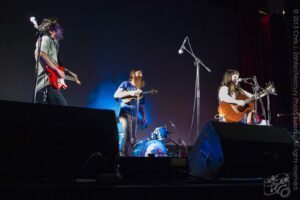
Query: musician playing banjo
x=131, y=106
x=232, y=98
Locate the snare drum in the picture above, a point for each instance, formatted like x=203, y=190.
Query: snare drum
x=152, y=147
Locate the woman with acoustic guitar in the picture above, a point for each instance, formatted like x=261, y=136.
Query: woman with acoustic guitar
x=232, y=105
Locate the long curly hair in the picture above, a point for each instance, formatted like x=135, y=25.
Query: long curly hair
x=49, y=24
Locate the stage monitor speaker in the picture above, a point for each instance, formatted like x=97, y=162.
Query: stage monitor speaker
x=228, y=150
x=45, y=142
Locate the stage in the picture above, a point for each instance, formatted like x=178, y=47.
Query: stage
x=70, y=160
x=167, y=76
x=180, y=189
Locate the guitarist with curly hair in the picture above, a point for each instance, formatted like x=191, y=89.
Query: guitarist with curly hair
x=50, y=75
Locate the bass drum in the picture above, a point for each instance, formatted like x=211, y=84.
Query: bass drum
x=149, y=148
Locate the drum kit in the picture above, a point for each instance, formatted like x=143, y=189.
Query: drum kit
x=155, y=146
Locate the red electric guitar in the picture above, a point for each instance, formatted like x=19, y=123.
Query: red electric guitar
x=59, y=82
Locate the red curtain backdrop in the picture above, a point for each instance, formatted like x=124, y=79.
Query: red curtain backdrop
x=264, y=54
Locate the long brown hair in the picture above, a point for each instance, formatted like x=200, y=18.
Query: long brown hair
x=227, y=81
x=140, y=82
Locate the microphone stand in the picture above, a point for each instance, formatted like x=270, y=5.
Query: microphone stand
x=136, y=119
x=268, y=110
x=269, y=107
x=255, y=88
x=40, y=35
x=197, y=62
x=264, y=110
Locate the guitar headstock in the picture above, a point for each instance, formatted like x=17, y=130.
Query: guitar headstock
x=153, y=91
x=270, y=87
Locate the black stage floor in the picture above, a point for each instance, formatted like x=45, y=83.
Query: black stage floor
x=189, y=188
x=138, y=184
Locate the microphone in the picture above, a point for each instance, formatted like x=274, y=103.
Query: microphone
x=180, y=51
x=33, y=20
x=287, y=115
x=280, y=115
x=244, y=79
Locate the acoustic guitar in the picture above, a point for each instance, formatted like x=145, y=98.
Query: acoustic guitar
x=235, y=113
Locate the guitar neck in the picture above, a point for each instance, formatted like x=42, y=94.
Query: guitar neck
x=129, y=98
x=253, y=97
x=250, y=99
x=147, y=92
x=70, y=78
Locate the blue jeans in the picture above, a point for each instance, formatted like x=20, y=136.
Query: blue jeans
x=128, y=137
x=50, y=95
